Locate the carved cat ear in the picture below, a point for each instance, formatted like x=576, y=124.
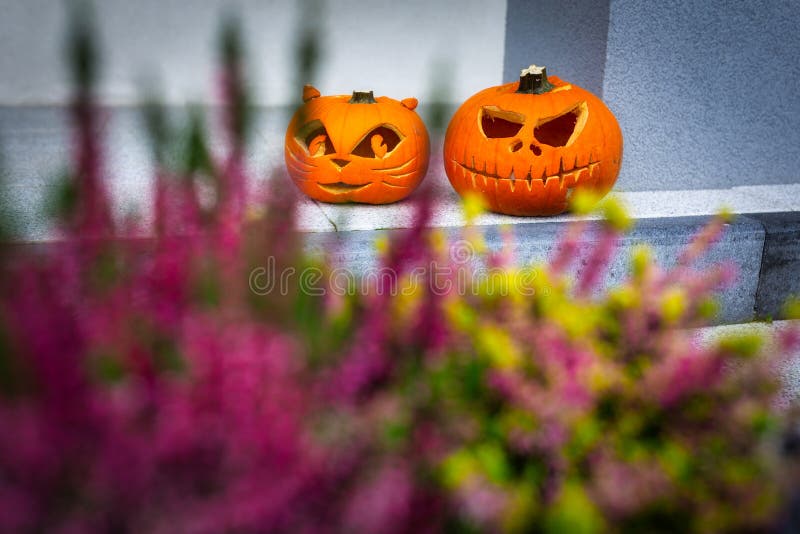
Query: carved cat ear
x=410, y=103
x=309, y=92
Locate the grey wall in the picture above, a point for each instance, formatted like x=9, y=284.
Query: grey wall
x=707, y=92
x=567, y=36
x=390, y=47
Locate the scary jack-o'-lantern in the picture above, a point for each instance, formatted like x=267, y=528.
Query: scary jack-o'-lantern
x=356, y=149
x=527, y=146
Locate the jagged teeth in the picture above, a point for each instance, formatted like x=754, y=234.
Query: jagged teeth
x=567, y=180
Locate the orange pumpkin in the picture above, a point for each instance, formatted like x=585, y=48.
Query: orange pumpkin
x=527, y=146
x=356, y=149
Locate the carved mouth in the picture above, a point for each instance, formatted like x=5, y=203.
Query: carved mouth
x=566, y=177
x=341, y=187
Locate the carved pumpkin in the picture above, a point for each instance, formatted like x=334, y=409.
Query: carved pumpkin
x=356, y=149
x=526, y=146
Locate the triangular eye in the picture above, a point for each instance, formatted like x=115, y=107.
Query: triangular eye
x=557, y=131
x=315, y=139
x=377, y=143
x=498, y=123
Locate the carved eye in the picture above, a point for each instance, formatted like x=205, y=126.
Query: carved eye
x=377, y=143
x=557, y=131
x=498, y=123
x=314, y=138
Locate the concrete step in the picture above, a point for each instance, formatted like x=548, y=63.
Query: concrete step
x=765, y=248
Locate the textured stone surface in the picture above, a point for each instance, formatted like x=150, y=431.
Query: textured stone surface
x=34, y=142
x=704, y=90
x=741, y=245
x=640, y=204
x=568, y=37
x=780, y=268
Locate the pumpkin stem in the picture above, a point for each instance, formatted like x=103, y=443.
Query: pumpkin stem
x=362, y=97
x=533, y=81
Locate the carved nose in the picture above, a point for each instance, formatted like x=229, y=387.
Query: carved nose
x=340, y=163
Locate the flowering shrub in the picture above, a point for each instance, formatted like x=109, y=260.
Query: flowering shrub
x=145, y=387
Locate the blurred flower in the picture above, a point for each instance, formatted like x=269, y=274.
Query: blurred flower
x=145, y=387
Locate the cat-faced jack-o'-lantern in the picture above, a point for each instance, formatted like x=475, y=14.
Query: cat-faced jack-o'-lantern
x=527, y=146
x=356, y=149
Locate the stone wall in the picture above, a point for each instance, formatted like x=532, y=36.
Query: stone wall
x=706, y=91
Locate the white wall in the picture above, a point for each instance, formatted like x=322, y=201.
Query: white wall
x=388, y=46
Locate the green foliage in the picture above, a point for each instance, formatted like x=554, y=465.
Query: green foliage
x=573, y=511
x=791, y=309
x=82, y=52
x=63, y=198
x=308, y=47
x=746, y=345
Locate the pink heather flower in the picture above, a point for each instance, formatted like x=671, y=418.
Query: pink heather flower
x=382, y=502
x=704, y=239
x=150, y=391
x=598, y=260
x=566, y=250
x=92, y=215
x=623, y=488
x=789, y=339
x=481, y=502
x=674, y=377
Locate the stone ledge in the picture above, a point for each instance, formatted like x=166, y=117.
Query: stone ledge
x=741, y=244
x=780, y=265
x=640, y=204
